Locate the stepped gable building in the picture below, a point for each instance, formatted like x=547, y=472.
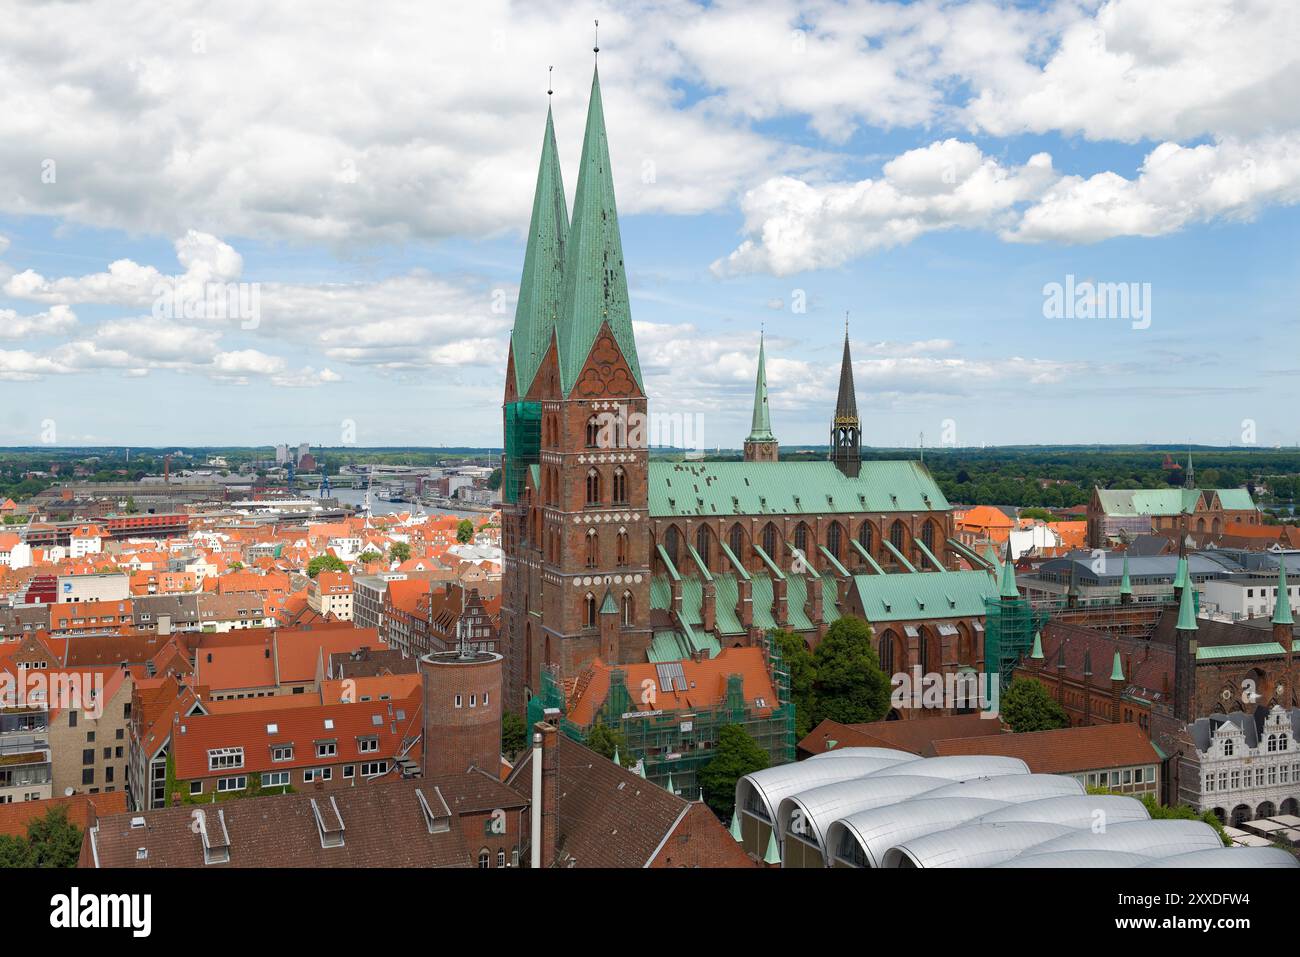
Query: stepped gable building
x=1126, y=513
x=613, y=557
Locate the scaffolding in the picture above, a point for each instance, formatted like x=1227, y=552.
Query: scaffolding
x=677, y=744
x=523, y=447
x=1009, y=628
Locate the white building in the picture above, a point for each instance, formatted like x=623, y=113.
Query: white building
x=85, y=540
x=1252, y=596
x=110, y=586
x=1246, y=766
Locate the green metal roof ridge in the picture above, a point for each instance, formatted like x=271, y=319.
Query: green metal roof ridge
x=595, y=279
x=866, y=556
x=699, y=563
x=934, y=559
x=767, y=560
x=737, y=565
x=542, y=282
x=668, y=563
x=893, y=550
x=835, y=562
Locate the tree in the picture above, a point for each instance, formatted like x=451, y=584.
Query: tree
x=514, y=734
x=54, y=840
x=803, y=676
x=15, y=852
x=850, y=687
x=325, y=563
x=399, y=552
x=494, y=480
x=1042, y=514
x=737, y=754
x=604, y=740
x=1026, y=706
x=368, y=556
x=465, y=531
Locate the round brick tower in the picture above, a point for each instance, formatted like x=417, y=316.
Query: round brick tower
x=462, y=711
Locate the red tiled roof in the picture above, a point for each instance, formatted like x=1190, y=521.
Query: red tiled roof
x=1064, y=751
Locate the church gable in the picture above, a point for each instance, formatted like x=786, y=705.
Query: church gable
x=606, y=373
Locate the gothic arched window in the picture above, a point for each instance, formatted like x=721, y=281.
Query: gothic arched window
x=593, y=487
x=593, y=432
x=593, y=548
x=833, y=539
x=589, y=610
x=620, y=486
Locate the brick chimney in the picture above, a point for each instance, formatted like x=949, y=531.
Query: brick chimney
x=550, y=790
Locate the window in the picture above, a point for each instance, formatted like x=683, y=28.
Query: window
x=232, y=784
x=483, y=859
x=349, y=771
x=282, y=752
x=88, y=776
x=593, y=432
x=897, y=534
x=621, y=544
x=326, y=749
x=866, y=537
x=225, y=759
x=620, y=486
x=801, y=538
x=1227, y=747
x=196, y=787
x=501, y=858
x=317, y=774
x=769, y=539
x=367, y=744
x=371, y=768
x=629, y=608
x=593, y=487
x=458, y=701
x=833, y=543
x=275, y=779
x=88, y=756
x=593, y=548
x=589, y=613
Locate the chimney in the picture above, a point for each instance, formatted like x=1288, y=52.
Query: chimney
x=546, y=790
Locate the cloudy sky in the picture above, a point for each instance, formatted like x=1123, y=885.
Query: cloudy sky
x=363, y=176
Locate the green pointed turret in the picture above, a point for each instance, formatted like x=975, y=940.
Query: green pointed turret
x=671, y=789
x=773, y=856
x=1125, y=586
x=595, y=281
x=735, y=826
x=761, y=423
x=1117, y=670
x=1282, y=610
x=617, y=760
x=1187, y=611
x=542, y=283
x=1180, y=576
x=1007, y=585
x=1037, y=653
x=609, y=606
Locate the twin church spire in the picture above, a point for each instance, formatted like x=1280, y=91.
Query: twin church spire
x=574, y=282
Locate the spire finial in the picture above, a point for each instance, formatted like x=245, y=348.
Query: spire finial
x=596, y=47
x=549, y=71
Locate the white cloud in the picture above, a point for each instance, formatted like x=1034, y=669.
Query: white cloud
x=57, y=319
x=800, y=226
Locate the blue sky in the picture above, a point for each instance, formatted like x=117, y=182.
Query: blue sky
x=927, y=167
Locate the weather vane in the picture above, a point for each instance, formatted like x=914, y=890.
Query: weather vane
x=596, y=48
x=549, y=70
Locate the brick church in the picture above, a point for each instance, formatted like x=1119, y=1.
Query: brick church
x=611, y=556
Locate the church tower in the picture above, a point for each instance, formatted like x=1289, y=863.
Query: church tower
x=589, y=595
x=846, y=431
x=761, y=445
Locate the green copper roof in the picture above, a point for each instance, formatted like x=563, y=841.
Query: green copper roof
x=1282, y=611
x=761, y=427
x=1257, y=650
x=1168, y=501
x=809, y=488
x=773, y=856
x=1037, y=653
x=1117, y=670
x=735, y=826
x=609, y=606
x=1180, y=576
x=1007, y=583
x=1186, y=611
x=595, y=282
x=1125, y=586
x=542, y=283
x=919, y=595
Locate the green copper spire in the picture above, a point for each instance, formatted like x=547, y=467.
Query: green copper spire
x=617, y=760
x=1180, y=576
x=609, y=606
x=1117, y=670
x=773, y=856
x=671, y=789
x=595, y=282
x=1037, y=653
x=735, y=826
x=542, y=283
x=1007, y=587
x=1125, y=586
x=1187, y=611
x=761, y=427
x=1282, y=610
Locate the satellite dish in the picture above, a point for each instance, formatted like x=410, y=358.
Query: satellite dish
x=68, y=792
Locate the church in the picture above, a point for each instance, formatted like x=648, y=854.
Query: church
x=611, y=556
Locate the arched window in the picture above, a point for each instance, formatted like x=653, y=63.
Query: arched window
x=702, y=544
x=593, y=487
x=801, y=538
x=593, y=548
x=737, y=541
x=897, y=534
x=620, y=486
x=621, y=548
x=887, y=653
x=629, y=608
x=501, y=858
x=769, y=539
x=867, y=537
x=593, y=432
x=833, y=543
x=1272, y=742
x=923, y=650
x=927, y=535
x=589, y=610
x=671, y=541
x=483, y=859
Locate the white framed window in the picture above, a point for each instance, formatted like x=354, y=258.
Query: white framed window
x=365, y=745
x=196, y=787
x=371, y=768
x=458, y=701
x=238, y=783
x=326, y=749
x=282, y=752
x=349, y=771
x=275, y=779
x=225, y=759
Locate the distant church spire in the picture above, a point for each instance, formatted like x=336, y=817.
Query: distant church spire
x=1191, y=471
x=761, y=444
x=846, y=430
